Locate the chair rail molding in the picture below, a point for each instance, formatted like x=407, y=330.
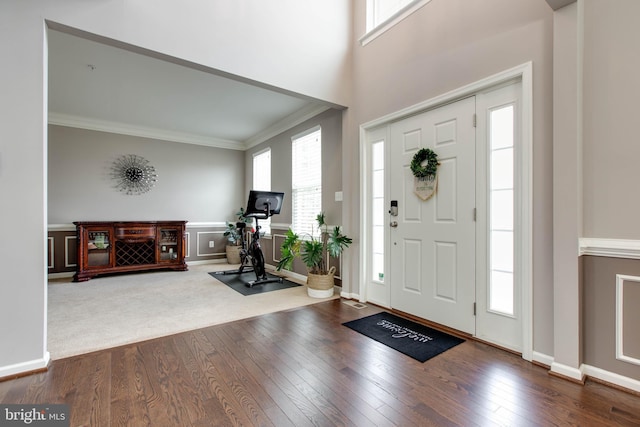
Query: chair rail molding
x=615, y=248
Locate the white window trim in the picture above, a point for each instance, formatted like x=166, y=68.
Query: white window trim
x=264, y=150
x=306, y=132
x=397, y=17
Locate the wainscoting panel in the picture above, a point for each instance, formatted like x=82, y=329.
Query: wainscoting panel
x=611, y=307
x=203, y=240
x=62, y=249
x=627, y=318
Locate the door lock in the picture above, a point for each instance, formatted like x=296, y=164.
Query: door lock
x=393, y=224
x=394, y=208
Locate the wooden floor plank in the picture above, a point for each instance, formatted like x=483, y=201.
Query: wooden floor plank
x=129, y=402
x=205, y=353
x=302, y=368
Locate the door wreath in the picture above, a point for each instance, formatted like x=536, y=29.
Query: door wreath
x=425, y=179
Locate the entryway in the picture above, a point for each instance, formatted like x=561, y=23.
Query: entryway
x=462, y=257
x=433, y=241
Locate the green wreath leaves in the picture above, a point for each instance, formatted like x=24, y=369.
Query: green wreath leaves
x=430, y=168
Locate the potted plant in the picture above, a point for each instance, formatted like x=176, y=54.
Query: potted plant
x=234, y=237
x=313, y=251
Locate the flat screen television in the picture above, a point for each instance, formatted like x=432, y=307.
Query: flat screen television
x=260, y=200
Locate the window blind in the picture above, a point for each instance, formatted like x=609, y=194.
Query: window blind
x=262, y=180
x=306, y=181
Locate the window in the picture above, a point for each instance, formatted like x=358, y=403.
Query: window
x=381, y=10
x=306, y=180
x=501, y=231
x=262, y=180
x=384, y=14
x=378, y=216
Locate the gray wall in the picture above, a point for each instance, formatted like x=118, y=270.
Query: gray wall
x=610, y=175
x=445, y=45
x=195, y=183
x=331, y=123
x=611, y=93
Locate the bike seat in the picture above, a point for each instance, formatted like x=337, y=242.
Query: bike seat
x=241, y=225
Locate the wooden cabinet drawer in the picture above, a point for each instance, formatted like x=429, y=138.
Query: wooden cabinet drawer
x=135, y=233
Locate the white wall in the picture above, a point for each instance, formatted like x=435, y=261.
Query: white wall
x=310, y=57
x=445, y=45
x=254, y=39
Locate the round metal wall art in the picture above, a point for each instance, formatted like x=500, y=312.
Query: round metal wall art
x=133, y=174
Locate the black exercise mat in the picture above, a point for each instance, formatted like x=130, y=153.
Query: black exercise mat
x=415, y=340
x=238, y=282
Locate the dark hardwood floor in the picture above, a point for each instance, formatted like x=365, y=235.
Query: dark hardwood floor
x=303, y=368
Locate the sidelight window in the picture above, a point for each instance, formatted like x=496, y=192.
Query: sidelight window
x=501, y=229
x=378, y=214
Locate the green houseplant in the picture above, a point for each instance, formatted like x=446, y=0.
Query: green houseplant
x=313, y=251
x=234, y=237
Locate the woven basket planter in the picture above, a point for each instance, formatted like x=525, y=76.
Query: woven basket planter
x=320, y=285
x=233, y=254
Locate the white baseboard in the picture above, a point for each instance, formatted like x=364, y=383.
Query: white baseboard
x=208, y=261
x=348, y=295
x=541, y=358
x=288, y=274
x=588, y=371
x=25, y=367
x=62, y=275
x=567, y=371
x=612, y=378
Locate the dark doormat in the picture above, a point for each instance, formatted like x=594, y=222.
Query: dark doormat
x=415, y=340
x=238, y=282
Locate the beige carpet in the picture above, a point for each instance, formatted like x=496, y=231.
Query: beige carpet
x=110, y=311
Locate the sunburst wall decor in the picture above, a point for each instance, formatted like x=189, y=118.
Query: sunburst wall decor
x=133, y=174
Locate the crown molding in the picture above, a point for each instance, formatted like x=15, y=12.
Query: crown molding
x=141, y=131
x=285, y=124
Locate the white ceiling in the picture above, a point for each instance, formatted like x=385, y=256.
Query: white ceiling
x=97, y=86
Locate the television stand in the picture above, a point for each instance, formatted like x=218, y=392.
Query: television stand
x=106, y=247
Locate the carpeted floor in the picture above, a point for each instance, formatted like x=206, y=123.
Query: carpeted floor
x=110, y=311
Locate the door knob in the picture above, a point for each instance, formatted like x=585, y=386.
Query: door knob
x=393, y=224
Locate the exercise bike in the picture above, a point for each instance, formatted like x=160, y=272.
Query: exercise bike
x=261, y=205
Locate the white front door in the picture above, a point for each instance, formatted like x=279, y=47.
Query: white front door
x=432, y=247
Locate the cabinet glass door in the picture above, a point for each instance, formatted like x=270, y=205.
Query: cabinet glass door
x=168, y=244
x=98, y=248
